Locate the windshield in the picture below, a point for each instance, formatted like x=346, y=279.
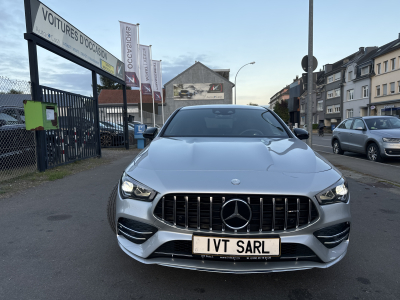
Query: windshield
x=382, y=123
x=225, y=122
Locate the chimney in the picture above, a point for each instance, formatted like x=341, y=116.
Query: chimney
x=328, y=68
x=361, y=49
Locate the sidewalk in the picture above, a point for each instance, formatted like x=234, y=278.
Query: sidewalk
x=381, y=171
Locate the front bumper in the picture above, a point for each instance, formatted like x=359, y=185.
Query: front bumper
x=143, y=212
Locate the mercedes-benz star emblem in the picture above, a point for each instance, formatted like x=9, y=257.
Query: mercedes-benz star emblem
x=236, y=214
x=235, y=181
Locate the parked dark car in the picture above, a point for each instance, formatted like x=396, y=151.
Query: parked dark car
x=111, y=134
x=17, y=145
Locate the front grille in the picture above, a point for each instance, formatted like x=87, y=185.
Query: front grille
x=333, y=235
x=269, y=213
x=183, y=249
x=135, y=231
x=392, y=151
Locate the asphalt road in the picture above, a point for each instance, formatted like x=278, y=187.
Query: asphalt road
x=56, y=244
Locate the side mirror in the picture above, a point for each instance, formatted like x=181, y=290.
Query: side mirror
x=150, y=133
x=301, y=134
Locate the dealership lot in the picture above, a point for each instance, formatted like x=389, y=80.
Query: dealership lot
x=56, y=243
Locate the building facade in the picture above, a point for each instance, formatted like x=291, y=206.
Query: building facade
x=295, y=91
x=356, y=87
x=385, y=96
x=197, y=85
x=315, y=96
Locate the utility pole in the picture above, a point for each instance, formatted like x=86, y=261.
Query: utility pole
x=310, y=73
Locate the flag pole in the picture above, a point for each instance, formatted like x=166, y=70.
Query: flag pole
x=140, y=78
x=162, y=93
x=152, y=88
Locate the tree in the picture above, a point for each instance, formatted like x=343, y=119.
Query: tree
x=12, y=91
x=281, y=109
x=253, y=104
x=108, y=84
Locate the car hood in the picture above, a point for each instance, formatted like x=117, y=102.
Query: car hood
x=209, y=164
x=390, y=133
x=225, y=154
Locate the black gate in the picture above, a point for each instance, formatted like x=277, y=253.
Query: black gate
x=111, y=119
x=77, y=136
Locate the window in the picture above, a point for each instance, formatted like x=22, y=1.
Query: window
x=329, y=109
x=302, y=107
x=350, y=76
x=337, y=76
x=365, y=91
x=378, y=90
x=392, y=88
x=337, y=108
x=346, y=124
x=393, y=63
x=330, y=94
x=364, y=71
x=384, y=89
x=302, y=120
x=313, y=119
x=399, y=86
x=385, y=66
x=320, y=104
x=330, y=79
x=349, y=113
x=337, y=93
x=358, y=124
x=378, y=68
x=350, y=95
x=224, y=122
x=382, y=123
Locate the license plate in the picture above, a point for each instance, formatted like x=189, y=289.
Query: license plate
x=227, y=246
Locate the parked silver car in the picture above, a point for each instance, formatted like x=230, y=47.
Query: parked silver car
x=226, y=188
x=378, y=137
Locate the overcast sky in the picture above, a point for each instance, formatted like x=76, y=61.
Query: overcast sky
x=220, y=34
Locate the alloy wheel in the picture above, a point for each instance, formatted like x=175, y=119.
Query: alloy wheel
x=372, y=153
x=336, y=148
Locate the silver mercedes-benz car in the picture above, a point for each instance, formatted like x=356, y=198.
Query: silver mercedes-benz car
x=226, y=188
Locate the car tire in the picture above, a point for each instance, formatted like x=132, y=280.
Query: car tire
x=373, y=153
x=105, y=140
x=336, y=147
x=111, y=208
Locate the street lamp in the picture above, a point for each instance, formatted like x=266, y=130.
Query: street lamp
x=252, y=63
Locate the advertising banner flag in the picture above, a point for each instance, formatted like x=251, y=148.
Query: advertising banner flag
x=157, y=81
x=129, y=46
x=145, y=69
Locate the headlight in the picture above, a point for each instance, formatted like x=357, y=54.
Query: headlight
x=132, y=189
x=391, y=140
x=336, y=193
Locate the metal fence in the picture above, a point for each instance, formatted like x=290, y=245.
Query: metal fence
x=111, y=121
x=17, y=145
x=76, y=137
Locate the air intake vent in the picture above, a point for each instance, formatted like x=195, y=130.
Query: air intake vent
x=135, y=231
x=333, y=235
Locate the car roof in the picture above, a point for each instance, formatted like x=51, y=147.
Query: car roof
x=372, y=117
x=224, y=106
